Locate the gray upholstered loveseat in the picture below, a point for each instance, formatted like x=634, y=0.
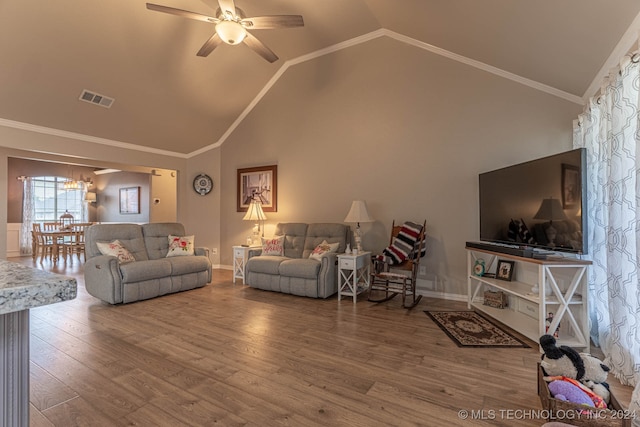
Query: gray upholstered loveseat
x=151, y=274
x=295, y=273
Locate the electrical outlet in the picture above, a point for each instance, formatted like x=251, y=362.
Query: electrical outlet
x=214, y=251
x=422, y=271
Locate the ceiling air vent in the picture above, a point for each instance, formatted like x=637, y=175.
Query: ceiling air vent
x=96, y=98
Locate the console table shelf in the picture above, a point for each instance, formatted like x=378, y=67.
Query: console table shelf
x=561, y=302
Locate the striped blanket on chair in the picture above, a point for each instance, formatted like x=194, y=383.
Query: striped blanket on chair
x=404, y=245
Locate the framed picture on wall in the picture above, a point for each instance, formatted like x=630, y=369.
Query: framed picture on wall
x=130, y=200
x=261, y=184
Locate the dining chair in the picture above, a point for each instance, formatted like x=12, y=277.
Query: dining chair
x=76, y=242
x=49, y=226
x=43, y=244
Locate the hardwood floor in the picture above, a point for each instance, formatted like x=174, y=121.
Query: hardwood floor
x=231, y=355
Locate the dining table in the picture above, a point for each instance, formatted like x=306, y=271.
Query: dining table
x=59, y=237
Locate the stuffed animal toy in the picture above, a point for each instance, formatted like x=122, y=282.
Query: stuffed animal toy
x=566, y=391
x=565, y=361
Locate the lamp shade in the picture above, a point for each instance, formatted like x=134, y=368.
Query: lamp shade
x=358, y=212
x=90, y=197
x=550, y=210
x=231, y=32
x=255, y=213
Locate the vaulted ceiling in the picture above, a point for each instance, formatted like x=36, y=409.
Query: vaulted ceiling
x=169, y=99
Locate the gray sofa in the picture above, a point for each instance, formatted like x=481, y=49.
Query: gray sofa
x=151, y=274
x=295, y=273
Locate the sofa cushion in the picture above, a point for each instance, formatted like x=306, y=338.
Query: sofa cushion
x=294, y=235
x=331, y=232
x=130, y=235
x=188, y=264
x=273, y=246
x=117, y=250
x=180, y=246
x=304, y=268
x=267, y=264
x=145, y=270
x=324, y=248
x=155, y=237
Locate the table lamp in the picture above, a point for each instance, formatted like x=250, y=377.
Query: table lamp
x=358, y=214
x=255, y=213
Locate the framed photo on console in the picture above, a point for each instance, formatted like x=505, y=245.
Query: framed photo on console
x=505, y=270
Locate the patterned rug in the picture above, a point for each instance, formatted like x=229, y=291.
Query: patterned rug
x=469, y=329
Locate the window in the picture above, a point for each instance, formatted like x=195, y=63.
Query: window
x=51, y=200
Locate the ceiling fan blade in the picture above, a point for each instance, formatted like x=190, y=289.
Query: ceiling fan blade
x=209, y=45
x=183, y=13
x=258, y=47
x=273, y=21
x=228, y=7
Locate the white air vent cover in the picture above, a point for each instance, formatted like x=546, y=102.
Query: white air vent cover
x=96, y=99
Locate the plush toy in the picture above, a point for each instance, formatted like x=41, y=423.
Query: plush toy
x=565, y=361
x=566, y=391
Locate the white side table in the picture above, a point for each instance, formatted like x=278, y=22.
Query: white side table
x=354, y=274
x=240, y=257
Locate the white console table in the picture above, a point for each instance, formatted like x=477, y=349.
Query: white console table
x=562, y=292
x=22, y=288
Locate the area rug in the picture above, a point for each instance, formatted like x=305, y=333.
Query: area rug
x=469, y=329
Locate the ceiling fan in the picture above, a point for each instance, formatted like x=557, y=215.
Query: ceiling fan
x=232, y=25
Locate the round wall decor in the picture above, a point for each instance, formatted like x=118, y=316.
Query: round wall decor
x=203, y=184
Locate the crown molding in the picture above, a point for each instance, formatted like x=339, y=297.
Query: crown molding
x=486, y=67
x=86, y=138
x=382, y=32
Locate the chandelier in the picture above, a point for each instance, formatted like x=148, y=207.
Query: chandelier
x=71, y=184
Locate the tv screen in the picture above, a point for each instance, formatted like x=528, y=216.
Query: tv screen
x=538, y=204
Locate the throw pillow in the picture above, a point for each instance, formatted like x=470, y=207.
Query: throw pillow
x=323, y=248
x=273, y=246
x=180, y=246
x=115, y=249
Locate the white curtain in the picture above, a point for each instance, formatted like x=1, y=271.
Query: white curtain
x=27, y=216
x=84, y=210
x=609, y=130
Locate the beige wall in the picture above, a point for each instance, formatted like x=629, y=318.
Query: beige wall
x=202, y=216
x=108, y=188
x=406, y=130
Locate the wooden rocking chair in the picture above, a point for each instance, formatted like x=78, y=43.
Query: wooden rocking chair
x=393, y=278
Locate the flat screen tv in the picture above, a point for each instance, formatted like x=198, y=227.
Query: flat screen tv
x=536, y=204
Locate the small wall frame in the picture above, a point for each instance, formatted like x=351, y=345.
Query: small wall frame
x=130, y=200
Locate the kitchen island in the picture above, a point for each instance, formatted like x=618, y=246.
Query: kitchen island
x=22, y=288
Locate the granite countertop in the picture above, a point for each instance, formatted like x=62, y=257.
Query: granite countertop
x=23, y=287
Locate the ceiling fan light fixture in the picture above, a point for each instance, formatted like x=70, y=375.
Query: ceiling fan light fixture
x=231, y=32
